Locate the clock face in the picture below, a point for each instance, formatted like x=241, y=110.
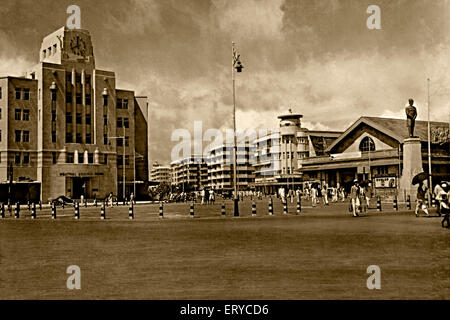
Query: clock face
x=78, y=46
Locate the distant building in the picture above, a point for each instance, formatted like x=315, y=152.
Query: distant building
x=69, y=129
x=161, y=174
x=278, y=156
x=189, y=173
x=221, y=172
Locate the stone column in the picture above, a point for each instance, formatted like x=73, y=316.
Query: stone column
x=412, y=165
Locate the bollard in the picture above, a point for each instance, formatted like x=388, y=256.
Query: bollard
x=253, y=209
x=76, y=205
x=223, y=212
x=103, y=211
x=53, y=210
x=29, y=205
x=17, y=211
x=299, y=205
x=33, y=211
x=131, y=212
x=395, y=203
x=408, y=203
x=191, y=210
x=433, y=202
x=40, y=205
x=270, y=207
x=161, y=210
x=378, y=203
x=285, y=207
x=2, y=210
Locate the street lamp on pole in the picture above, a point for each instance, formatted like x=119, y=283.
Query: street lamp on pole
x=236, y=64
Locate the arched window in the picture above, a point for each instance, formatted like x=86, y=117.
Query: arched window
x=367, y=144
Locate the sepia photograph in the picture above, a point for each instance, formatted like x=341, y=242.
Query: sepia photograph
x=224, y=154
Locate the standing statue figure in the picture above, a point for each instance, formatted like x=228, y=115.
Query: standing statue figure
x=411, y=115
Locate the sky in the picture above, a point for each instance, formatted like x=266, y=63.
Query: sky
x=316, y=57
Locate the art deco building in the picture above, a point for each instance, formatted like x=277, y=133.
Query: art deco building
x=189, y=173
x=69, y=129
x=160, y=173
x=220, y=168
x=278, y=156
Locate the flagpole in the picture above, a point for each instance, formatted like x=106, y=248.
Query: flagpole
x=236, y=198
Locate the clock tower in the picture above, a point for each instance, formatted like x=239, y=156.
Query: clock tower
x=68, y=46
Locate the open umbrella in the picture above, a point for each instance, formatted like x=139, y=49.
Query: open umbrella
x=418, y=178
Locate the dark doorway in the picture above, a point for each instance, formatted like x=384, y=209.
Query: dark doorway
x=79, y=187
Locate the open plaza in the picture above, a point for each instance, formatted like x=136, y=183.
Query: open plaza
x=320, y=253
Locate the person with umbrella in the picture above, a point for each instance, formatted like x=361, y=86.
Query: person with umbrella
x=422, y=192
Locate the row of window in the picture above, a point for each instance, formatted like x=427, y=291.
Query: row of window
x=20, y=114
x=87, y=78
x=22, y=136
x=49, y=51
x=123, y=122
x=122, y=103
x=90, y=159
x=78, y=119
x=22, y=93
x=78, y=138
x=78, y=98
x=22, y=158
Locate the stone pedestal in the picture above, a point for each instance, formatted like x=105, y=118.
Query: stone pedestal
x=412, y=165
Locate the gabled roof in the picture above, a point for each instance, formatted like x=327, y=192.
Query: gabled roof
x=395, y=128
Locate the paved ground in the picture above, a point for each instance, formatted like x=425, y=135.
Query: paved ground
x=322, y=253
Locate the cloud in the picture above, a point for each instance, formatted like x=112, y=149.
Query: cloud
x=315, y=57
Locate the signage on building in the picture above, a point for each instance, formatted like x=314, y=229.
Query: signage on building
x=386, y=182
x=80, y=174
x=346, y=155
x=440, y=135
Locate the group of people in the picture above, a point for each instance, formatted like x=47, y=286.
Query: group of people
x=441, y=194
x=359, y=197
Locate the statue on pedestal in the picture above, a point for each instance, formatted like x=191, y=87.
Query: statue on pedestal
x=411, y=115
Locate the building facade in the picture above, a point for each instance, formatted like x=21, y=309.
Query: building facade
x=74, y=130
x=161, y=174
x=371, y=149
x=278, y=156
x=221, y=171
x=189, y=173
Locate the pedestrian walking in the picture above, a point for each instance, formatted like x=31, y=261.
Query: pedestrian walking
x=422, y=192
x=313, y=196
x=354, y=197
